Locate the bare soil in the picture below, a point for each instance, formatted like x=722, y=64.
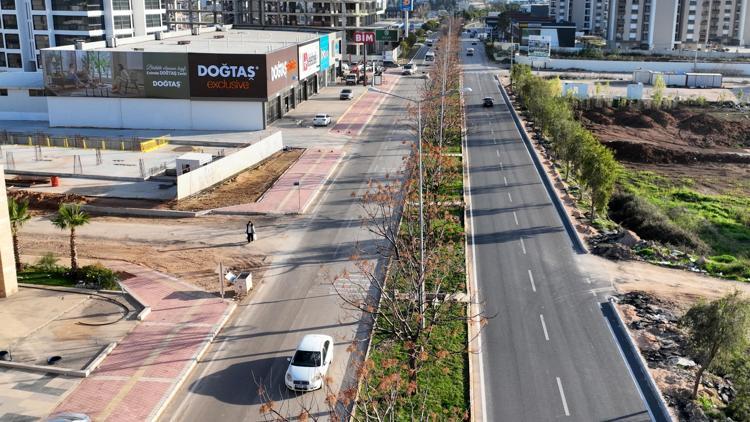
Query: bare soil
x=244, y=188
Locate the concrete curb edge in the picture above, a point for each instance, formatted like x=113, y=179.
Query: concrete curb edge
x=80, y=373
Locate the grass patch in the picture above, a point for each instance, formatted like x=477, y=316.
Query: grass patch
x=721, y=223
x=45, y=278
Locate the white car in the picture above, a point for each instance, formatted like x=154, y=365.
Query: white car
x=309, y=365
x=409, y=69
x=321, y=120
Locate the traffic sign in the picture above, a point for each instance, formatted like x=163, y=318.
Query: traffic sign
x=362, y=37
x=407, y=5
x=386, y=35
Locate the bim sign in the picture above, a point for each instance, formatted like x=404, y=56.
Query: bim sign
x=364, y=37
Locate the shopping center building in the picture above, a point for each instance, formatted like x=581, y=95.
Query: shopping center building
x=215, y=79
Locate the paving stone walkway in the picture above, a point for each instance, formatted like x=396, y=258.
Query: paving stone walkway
x=136, y=380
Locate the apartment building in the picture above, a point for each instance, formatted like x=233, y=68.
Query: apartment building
x=31, y=25
x=590, y=16
x=646, y=24
x=702, y=22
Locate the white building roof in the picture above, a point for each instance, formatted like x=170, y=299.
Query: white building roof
x=21, y=80
x=232, y=41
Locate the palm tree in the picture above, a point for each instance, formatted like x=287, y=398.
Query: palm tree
x=70, y=216
x=18, y=211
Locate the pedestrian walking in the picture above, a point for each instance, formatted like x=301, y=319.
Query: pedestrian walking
x=250, y=231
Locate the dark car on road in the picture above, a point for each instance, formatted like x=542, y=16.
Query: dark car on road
x=488, y=102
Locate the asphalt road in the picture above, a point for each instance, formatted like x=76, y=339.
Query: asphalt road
x=297, y=297
x=547, y=354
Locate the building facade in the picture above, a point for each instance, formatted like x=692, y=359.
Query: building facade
x=590, y=16
x=29, y=26
x=643, y=24
x=701, y=22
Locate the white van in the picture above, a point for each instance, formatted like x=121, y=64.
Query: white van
x=429, y=56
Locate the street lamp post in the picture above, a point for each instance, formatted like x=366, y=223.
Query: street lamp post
x=418, y=102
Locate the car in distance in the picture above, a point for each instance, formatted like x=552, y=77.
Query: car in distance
x=346, y=94
x=309, y=365
x=409, y=69
x=473, y=43
x=488, y=102
x=321, y=119
x=469, y=51
x=351, y=79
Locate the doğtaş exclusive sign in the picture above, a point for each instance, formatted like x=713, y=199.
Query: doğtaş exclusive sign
x=228, y=75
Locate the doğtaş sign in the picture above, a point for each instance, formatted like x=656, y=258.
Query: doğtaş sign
x=228, y=75
x=309, y=59
x=282, y=69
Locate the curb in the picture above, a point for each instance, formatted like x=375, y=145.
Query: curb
x=652, y=396
x=156, y=413
x=141, y=212
x=80, y=373
x=146, y=309
x=575, y=237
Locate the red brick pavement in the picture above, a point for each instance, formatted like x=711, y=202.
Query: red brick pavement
x=144, y=370
x=311, y=171
x=355, y=119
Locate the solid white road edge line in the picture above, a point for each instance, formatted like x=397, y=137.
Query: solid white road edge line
x=531, y=278
x=544, y=327
x=562, y=396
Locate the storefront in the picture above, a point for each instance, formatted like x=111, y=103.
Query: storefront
x=135, y=88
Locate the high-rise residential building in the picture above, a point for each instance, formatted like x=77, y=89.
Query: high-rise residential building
x=590, y=16
x=669, y=24
x=31, y=25
x=701, y=22
x=646, y=24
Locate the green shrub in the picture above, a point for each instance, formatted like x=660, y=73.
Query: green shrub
x=98, y=275
x=649, y=222
x=47, y=262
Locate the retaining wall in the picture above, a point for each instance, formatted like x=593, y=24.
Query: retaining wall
x=727, y=69
x=224, y=168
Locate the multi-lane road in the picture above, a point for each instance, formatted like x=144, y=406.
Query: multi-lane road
x=547, y=354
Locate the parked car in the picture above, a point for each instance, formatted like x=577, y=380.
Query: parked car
x=473, y=43
x=351, y=79
x=346, y=94
x=309, y=365
x=409, y=69
x=321, y=120
x=488, y=102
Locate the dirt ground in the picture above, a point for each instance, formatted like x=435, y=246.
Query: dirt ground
x=246, y=187
x=681, y=287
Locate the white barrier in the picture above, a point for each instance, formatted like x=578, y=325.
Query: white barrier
x=224, y=168
x=621, y=66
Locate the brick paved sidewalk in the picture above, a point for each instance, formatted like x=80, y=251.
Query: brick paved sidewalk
x=145, y=369
x=311, y=172
x=353, y=122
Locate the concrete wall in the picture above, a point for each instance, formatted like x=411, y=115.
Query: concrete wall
x=727, y=69
x=224, y=168
x=8, y=280
x=141, y=113
x=19, y=106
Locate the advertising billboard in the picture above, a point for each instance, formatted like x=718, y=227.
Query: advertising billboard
x=227, y=75
x=539, y=45
x=308, y=59
x=76, y=73
x=407, y=5
x=281, y=69
x=390, y=35
x=364, y=37
x=166, y=76
x=325, y=52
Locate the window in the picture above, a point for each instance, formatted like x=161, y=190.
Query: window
x=153, y=21
x=12, y=41
x=123, y=22
x=121, y=4
x=36, y=93
x=38, y=5
x=79, y=23
x=40, y=23
x=14, y=60
x=8, y=4
x=3, y=63
x=10, y=22
x=153, y=4
x=77, y=5
x=41, y=41
x=3, y=91
x=61, y=40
